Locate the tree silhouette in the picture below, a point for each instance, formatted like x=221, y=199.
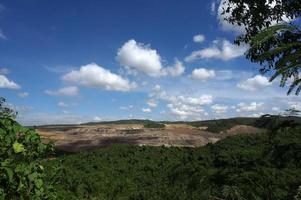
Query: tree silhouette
x=274, y=38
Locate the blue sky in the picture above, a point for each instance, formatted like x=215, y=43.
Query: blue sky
x=77, y=61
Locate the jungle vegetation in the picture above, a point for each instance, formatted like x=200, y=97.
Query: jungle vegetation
x=263, y=166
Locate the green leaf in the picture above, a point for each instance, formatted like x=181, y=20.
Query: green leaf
x=18, y=148
x=9, y=173
x=39, y=183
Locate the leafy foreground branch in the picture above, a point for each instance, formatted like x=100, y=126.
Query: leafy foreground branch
x=21, y=151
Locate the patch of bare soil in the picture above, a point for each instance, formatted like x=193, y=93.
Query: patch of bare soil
x=243, y=129
x=85, y=137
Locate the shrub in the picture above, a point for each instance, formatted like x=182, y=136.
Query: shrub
x=154, y=125
x=21, y=152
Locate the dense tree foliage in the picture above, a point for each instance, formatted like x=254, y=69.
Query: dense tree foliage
x=252, y=166
x=278, y=49
x=256, y=15
x=274, y=38
x=5, y=111
x=270, y=122
x=222, y=125
x=21, y=150
x=154, y=125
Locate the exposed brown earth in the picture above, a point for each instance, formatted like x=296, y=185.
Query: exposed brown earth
x=84, y=137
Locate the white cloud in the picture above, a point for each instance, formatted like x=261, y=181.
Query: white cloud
x=62, y=104
x=244, y=107
x=202, y=74
x=66, y=112
x=134, y=56
x=275, y=109
x=140, y=57
x=95, y=76
x=295, y=105
x=146, y=110
x=182, y=106
x=183, y=111
x=202, y=100
x=65, y=91
x=225, y=25
x=220, y=49
x=159, y=93
x=23, y=94
x=254, y=83
x=5, y=83
x=256, y=114
x=152, y=103
x=97, y=118
x=199, y=38
x=176, y=70
x=219, y=109
x=157, y=88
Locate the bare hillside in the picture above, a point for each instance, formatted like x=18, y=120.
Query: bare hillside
x=83, y=137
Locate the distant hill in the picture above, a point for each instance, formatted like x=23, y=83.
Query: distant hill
x=215, y=126
x=220, y=125
x=124, y=121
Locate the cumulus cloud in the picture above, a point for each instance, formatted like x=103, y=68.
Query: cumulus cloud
x=65, y=91
x=176, y=70
x=275, y=109
x=140, y=57
x=95, y=76
x=8, y=84
x=66, y=112
x=219, y=109
x=254, y=83
x=146, y=110
x=62, y=104
x=295, y=105
x=225, y=25
x=152, y=103
x=182, y=106
x=199, y=38
x=23, y=94
x=202, y=74
x=183, y=111
x=134, y=56
x=97, y=118
x=220, y=49
x=244, y=107
x=159, y=93
x=256, y=114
